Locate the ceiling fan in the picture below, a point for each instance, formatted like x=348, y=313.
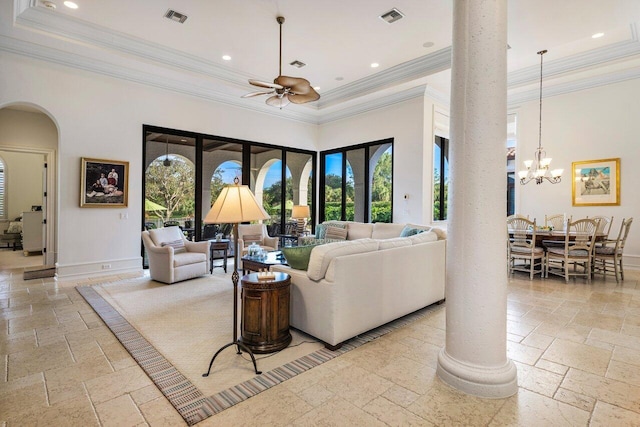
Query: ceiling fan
x=284, y=89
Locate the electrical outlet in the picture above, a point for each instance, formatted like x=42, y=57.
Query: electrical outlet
x=106, y=266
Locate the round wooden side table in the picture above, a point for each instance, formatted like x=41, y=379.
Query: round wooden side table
x=264, y=322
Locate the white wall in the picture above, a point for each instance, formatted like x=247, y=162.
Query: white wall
x=23, y=181
x=101, y=117
x=410, y=125
x=597, y=123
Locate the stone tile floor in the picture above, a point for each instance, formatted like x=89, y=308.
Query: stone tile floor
x=576, y=347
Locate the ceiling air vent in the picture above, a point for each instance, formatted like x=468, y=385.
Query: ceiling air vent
x=297, y=64
x=392, y=16
x=175, y=16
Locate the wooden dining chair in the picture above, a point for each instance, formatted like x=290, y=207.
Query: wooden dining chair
x=608, y=256
x=518, y=216
x=604, y=227
x=575, y=257
x=522, y=252
x=557, y=221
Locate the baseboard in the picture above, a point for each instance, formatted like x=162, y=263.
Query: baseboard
x=101, y=268
x=631, y=262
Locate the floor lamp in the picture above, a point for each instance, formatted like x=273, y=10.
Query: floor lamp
x=235, y=204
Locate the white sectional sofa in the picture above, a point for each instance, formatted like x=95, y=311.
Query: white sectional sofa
x=353, y=286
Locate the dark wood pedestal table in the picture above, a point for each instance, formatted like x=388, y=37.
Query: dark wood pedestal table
x=264, y=322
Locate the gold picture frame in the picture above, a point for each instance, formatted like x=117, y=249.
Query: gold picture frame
x=104, y=183
x=596, y=182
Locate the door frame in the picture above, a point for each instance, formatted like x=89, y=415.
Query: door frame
x=50, y=212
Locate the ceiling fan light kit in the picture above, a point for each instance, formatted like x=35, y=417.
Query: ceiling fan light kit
x=284, y=89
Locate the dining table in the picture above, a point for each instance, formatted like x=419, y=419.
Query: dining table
x=557, y=236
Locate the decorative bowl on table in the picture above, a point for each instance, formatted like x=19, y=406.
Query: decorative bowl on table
x=544, y=228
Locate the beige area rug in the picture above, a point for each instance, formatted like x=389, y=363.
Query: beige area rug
x=189, y=321
x=173, y=331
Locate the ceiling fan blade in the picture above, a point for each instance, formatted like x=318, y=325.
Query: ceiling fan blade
x=290, y=82
x=300, y=89
x=258, y=93
x=303, y=99
x=260, y=83
x=278, y=101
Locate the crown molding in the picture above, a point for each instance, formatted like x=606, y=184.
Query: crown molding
x=401, y=73
x=31, y=16
x=48, y=54
x=69, y=27
x=395, y=98
x=88, y=33
x=515, y=100
x=573, y=63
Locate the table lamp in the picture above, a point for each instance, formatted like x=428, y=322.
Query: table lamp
x=235, y=204
x=300, y=213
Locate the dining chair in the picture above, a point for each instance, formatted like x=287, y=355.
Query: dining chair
x=605, y=225
x=522, y=252
x=608, y=256
x=518, y=216
x=557, y=221
x=577, y=251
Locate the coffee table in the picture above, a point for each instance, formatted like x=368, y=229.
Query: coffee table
x=251, y=263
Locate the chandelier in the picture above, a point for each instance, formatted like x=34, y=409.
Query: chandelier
x=538, y=169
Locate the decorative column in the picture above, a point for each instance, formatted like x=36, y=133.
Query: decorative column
x=474, y=359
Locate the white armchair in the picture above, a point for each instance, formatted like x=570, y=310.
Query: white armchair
x=250, y=233
x=172, y=258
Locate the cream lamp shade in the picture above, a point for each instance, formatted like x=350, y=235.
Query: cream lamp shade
x=300, y=211
x=236, y=203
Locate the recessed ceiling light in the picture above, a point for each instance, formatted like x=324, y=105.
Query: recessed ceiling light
x=427, y=44
x=70, y=4
x=49, y=4
x=226, y=57
x=597, y=35
x=375, y=65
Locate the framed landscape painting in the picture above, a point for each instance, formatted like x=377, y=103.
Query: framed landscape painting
x=104, y=183
x=596, y=182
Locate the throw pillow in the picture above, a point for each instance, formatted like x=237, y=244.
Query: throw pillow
x=250, y=238
x=321, y=231
x=428, y=236
x=409, y=231
x=298, y=256
x=177, y=245
x=14, y=227
x=336, y=233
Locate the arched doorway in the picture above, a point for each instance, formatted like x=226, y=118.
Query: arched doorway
x=28, y=146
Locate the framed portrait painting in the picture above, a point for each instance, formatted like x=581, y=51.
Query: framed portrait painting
x=596, y=182
x=104, y=183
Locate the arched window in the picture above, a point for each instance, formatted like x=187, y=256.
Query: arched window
x=3, y=209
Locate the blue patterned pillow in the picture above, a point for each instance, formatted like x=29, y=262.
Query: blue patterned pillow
x=409, y=231
x=321, y=231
